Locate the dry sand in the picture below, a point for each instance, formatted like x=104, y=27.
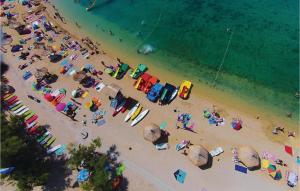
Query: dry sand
x=146, y=167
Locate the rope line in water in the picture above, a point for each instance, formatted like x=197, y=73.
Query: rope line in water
x=223, y=59
x=154, y=28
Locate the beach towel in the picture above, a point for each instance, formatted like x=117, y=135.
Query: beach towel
x=101, y=122
x=83, y=175
x=298, y=160
x=120, y=170
x=163, y=125
x=180, y=176
x=60, y=151
x=288, y=149
x=6, y=170
x=240, y=169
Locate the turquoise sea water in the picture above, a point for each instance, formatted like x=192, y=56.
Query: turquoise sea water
x=254, y=44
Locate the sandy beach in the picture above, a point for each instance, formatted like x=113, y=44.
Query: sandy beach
x=149, y=169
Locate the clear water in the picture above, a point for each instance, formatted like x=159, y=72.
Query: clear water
x=261, y=63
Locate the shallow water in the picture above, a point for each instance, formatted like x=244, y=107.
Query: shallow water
x=249, y=48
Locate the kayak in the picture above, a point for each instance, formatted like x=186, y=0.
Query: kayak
x=174, y=94
x=50, y=141
x=139, y=117
x=15, y=104
x=44, y=136
x=136, y=113
x=23, y=111
x=16, y=107
x=31, y=125
x=20, y=109
x=8, y=97
x=131, y=112
x=184, y=89
x=119, y=108
x=128, y=102
x=46, y=139
x=30, y=115
x=30, y=120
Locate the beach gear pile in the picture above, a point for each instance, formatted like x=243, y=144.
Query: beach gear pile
x=183, y=121
x=214, y=118
x=236, y=124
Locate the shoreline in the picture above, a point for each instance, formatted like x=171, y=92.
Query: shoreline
x=226, y=99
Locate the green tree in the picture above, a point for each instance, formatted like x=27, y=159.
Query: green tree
x=87, y=157
x=21, y=151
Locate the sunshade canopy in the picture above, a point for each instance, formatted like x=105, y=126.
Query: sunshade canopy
x=198, y=155
x=152, y=132
x=249, y=157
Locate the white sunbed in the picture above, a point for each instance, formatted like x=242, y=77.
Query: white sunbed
x=216, y=151
x=162, y=146
x=99, y=87
x=23, y=111
x=53, y=149
x=20, y=109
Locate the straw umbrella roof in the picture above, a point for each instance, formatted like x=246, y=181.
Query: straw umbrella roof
x=198, y=155
x=248, y=156
x=152, y=132
x=79, y=76
x=40, y=73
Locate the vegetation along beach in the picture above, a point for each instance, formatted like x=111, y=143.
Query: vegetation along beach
x=149, y=95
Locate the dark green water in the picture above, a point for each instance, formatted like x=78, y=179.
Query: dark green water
x=261, y=63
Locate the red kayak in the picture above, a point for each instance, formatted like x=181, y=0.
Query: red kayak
x=11, y=99
x=31, y=119
x=33, y=129
x=126, y=105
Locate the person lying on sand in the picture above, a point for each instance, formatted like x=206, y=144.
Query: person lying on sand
x=291, y=134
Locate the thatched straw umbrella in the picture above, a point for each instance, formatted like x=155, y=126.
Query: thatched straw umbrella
x=198, y=155
x=152, y=132
x=79, y=76
x=249, y=157
x=41, y=73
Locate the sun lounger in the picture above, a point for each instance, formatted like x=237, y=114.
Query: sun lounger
x=20, y=109
x=28, y=126
x=16, y=107
x=162, y=146
x=49, y=142
x=34, y=128
x=42, y=137
x=53, y=149
x=216, y=151
x=30, y=115
x=30, y=120
x=14, y=104
x=60, y=151
x=8, y=97
x=23, y=111
x=99, y=87
x=241, y=169
x=46, y=139
x=11, y=100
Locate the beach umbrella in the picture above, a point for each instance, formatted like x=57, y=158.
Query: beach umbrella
x=79, y=76
x=152, y=132
x=265, y=164
x=271, y=168
x=276, y=175
x=60, y=107
x=249, y=157
x=83, y=175
x=48, y=97
x=198, y=155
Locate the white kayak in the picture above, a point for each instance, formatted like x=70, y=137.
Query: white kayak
x=139, y=117
x=99, y=87
x=53, y=149
x=131, y=112
x=174, y=94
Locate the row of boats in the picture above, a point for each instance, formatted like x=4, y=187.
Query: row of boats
x=151, y=85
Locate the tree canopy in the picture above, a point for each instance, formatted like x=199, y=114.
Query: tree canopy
x=96, y=163
x=18, y=150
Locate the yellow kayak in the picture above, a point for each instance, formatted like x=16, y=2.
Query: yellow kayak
x=136, y=113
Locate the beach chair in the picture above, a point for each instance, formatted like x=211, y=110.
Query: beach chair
x=216, y=151
x=162, y=146
x=14, y=104
x=53, y=149
x=30, y=120
x=23, y=111
x=20, y=109
x=42, y=137
x=49, y=142
x=180, y=176
x=5, y=98
x=240, y=168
